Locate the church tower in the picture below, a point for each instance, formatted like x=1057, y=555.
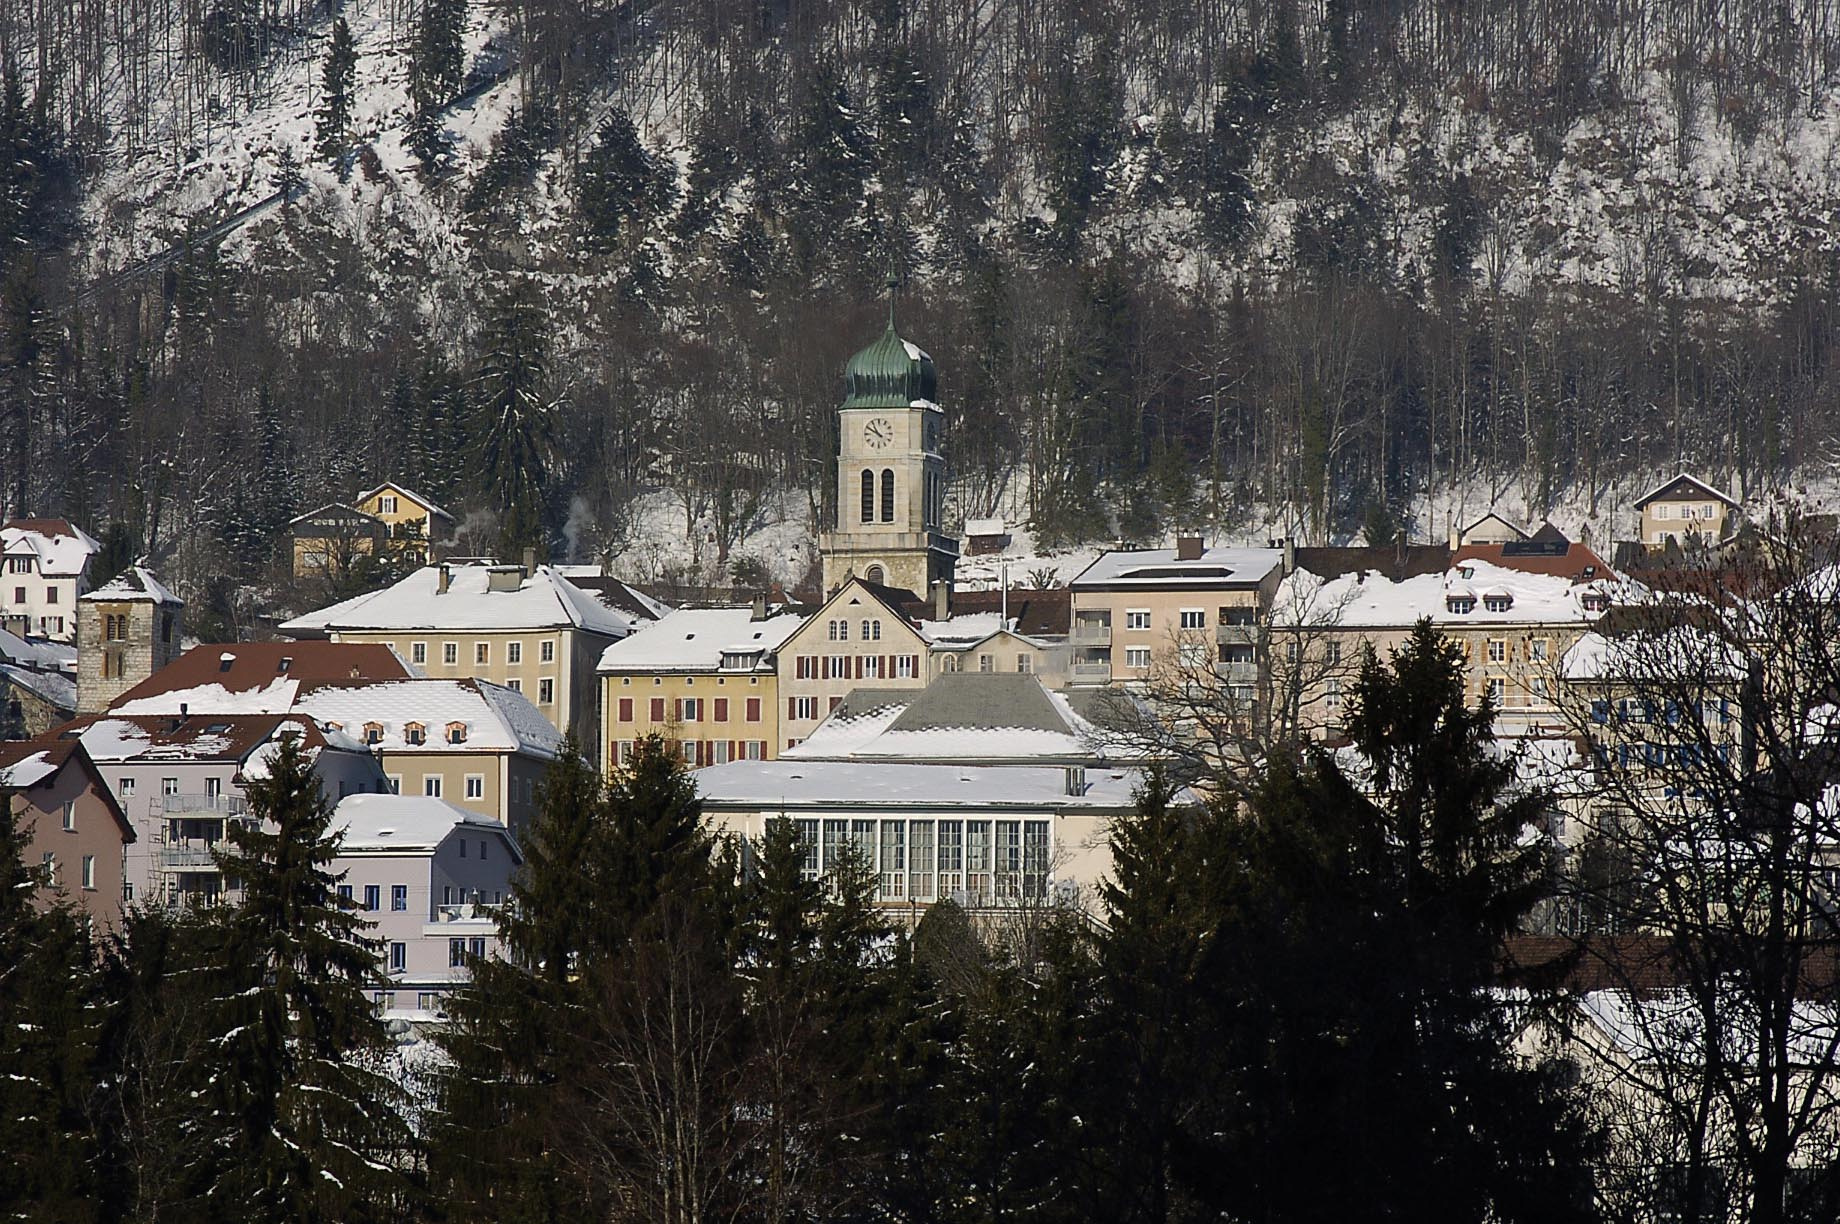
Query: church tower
x=891, y=477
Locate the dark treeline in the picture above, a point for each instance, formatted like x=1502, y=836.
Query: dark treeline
x=1156, y=294
x=1283, y=1011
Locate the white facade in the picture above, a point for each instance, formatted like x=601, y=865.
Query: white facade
x=44, y=565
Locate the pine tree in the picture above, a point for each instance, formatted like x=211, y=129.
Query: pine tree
x=46, y=1041
x=516, y=419
x=335, y=103
x=620, y=184
x=438, y=58
x=310, y=1128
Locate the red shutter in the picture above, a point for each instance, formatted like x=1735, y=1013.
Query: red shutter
x=826, y=673
x=721, y=709
x=626, y=709
x=657, y=709
x=753, y=709
x=858, y=675
x=792, y=707
x=835, y=702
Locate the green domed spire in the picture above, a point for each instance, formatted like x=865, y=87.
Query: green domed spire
x=890, y=373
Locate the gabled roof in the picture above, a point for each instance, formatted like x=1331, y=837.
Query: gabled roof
x=398, y=823
x=1494, y=516
x=1044, y=612
x=1392, y=560
x=1558, y=559
x=495, y=719
x=256, y=677
x=1684, y=485
x=29, y=763
x=616, y=593
x=853, y=592
x=336, y=508
x=1159, y=568
x=136, y=584
x=63, y=549
x=126, y=739
x=542, y=600
x=426, y=503
x=695, y=640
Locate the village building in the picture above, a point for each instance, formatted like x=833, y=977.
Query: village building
x=526, y=628
x=706, y=679
x=1684, y=510
x=47, y=562
x=329, y=541
x=859, y=636
x=415, y=523
x=70, y=828
x=127, y=629
x=432, y=877
x=38, y=685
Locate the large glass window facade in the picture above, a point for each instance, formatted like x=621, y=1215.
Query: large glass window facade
x=978, y=862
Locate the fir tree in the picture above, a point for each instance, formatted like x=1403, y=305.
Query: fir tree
x=335, y=101
x=438, y=57
x=45, y=1046
x=310, y=1128
x=516, y=419
x=621, y=185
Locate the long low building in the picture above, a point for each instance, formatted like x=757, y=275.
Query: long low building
x=981, y=835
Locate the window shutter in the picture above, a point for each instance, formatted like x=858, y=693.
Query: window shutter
x=792, y=707
x=858, y=675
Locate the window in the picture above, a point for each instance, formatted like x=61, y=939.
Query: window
x=546, y=691
x=373, y=898
x=753, y=709
x=868, y=496
x=456, y=953
x=872, y=667
x=872, y=631
x=1498, y=650
x=756, y=750
x=482, y=653
x=415, y=733
x=89, y=872
x=1024, y=664
x=399, y=898
x=70, y=817
x=477, y=946
x=482, y=851
x=689, y=709
x=19, y=595
x=431, y=785
x=801, y=707
x=688, y=748
x=1708, y=511
x=50, y=595
x=399, y=957
x=386, y=504
x=1498, y=690
x=1137, y=618
x=721, y=710
x=1332, y=652
x=887, y=495
x=1663, y=510
x=456, y=733
x=906, y=667
x=19, y=565
x=1137, y=656
x=1460, y=605
x=1537, y=648
x=546, y=652
x=395, y=781
x=373, y=733
x=514, y=652
x=1497, y=602
x=948, y=663
x=169, y=786
x=450, y=653
x=345, y=893
x=626, y=709
x=1332, y=693
x=1193, y=618
x=987, y=663
x=839, y=630
x=1538, y=687
x=1191, y=655
x=127, y=787
x=877, y=575
x=418, y=652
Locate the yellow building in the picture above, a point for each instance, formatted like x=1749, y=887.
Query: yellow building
x=414, y=522
x=703, y=678
x=1682, y=510
x=328, y=541
x=533, y=632
x=857, y=638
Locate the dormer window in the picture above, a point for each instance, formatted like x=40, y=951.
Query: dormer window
x=373, y=733
x=415, y=733
x=456, y=733
x=1497, y=601
x=1596, y=601
x=1460, y=605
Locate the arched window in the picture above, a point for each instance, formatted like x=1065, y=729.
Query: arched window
x=877, y=576
x=887, y=495
x=868, y=496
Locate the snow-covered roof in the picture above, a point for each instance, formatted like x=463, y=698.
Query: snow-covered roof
x=1367, y=599
x=28, y=770
x=966, y=629
x=1158, y=567
x=695, y=639
x=136, y=584
x=1664, y=657
x=1704, y=488
x=62, y=548
x=888, y=784
x=199, y=738
x=38, y=653
x=542, y=600
x=495, y=718
x=427, y=503
x=986, y=527
x=54, y=688
x=396, y=823
x=970, y=717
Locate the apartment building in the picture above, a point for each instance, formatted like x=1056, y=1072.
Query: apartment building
x=47, y=562
x=706, y=679
x=70, y=827
x=1682, y=509
x=859, y=636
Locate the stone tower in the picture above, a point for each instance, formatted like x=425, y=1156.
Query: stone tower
x=891, y=477
x=127, y=629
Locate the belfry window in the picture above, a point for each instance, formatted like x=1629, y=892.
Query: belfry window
x=887, y=495
x=868, y=496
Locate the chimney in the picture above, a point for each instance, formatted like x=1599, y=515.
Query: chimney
x=530, y=562
x=760, y=608
x=1076, y=780
x=1456, y=538
x=442, y=578
x=1290, y=554
x=942, y=599
x=1188, y=548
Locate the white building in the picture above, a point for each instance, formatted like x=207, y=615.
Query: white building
x=47, y=567
x=431, y=876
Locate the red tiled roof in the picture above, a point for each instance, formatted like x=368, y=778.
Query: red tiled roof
x=253, y=665
x=1571, y=564
x=42, y=526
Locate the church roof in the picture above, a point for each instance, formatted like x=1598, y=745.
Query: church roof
x=890, y=373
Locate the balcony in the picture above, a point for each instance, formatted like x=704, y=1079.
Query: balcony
x=1093, y=673
x=195, y=856
x=1237, y=635
x=221, y=805
x=1091, y=633
x=1238, y=673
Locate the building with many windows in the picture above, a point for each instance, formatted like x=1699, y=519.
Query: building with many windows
x=1683, y=510
x=431, y=876
x=706, y=679
x=46, y=563
x=70, y=827
x=859, y=636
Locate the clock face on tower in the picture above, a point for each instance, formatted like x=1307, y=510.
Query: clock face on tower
x=878, y=433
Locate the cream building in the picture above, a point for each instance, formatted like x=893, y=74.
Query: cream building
x=47, y=568
x=532, y=631
x=409, y=517
x=706, y=679
x=858, y=637
x=891, y=473
x=1684, y=508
